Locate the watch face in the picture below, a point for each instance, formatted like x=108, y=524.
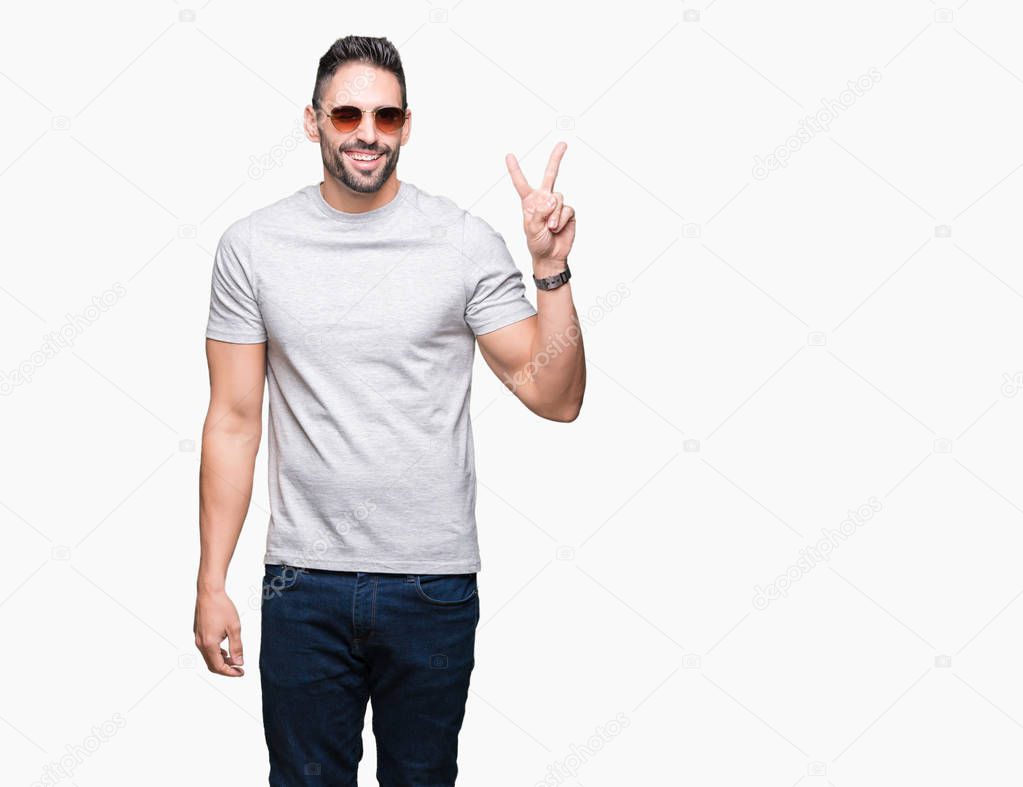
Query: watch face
x=550, y=282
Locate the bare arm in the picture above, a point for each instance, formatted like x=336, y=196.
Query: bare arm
x=541, y=359
x=230, y=441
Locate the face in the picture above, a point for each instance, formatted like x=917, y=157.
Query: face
x=367, y=87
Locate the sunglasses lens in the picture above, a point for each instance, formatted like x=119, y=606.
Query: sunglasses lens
x=390, y=119
x=346, y=118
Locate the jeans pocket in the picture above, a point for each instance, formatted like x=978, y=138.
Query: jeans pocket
x=446, y=590
x=279, y=579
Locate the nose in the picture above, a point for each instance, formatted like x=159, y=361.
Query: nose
x=368, y=128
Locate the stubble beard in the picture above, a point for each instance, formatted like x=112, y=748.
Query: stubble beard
x=363, y=182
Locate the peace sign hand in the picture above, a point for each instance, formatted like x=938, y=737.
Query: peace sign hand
x=548, y=222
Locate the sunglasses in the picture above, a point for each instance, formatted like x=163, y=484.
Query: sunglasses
x=388, y=120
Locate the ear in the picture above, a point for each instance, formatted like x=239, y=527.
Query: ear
x=406, y=130
x=312, y=131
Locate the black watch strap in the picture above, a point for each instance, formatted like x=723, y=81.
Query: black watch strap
x=555, y=281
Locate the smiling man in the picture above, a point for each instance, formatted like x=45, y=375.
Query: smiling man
x=359, y=301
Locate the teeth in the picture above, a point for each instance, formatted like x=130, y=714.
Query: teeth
x=361, y=157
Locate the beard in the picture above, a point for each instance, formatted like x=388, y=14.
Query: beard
x=339, y=166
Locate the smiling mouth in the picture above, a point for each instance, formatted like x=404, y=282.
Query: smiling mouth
x=363, y=160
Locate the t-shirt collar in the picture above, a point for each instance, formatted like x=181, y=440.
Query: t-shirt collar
x=383, y=211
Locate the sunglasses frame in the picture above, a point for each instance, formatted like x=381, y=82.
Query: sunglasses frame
x=373, y=112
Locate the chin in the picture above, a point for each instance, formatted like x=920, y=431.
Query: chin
x=363, y=187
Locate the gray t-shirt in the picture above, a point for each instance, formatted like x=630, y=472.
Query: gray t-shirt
x=370, y=322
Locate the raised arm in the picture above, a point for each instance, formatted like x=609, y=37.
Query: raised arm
x=541, y=359
x=230, y=441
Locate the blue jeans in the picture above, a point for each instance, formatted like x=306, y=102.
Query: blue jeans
x=332, y=640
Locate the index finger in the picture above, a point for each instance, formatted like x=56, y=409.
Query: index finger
x=552, y=166
x=518, y=179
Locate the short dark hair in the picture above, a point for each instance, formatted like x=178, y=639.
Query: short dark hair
x=377, y=52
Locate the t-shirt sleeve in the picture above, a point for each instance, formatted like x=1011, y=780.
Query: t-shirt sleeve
x=496, y=293
x=234, y=312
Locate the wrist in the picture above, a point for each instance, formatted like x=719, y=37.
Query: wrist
x=548, y=267
x=213, y=582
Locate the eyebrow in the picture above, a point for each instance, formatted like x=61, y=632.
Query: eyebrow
x=378, y=106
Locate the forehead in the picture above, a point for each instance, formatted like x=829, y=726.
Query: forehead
x=363, y=85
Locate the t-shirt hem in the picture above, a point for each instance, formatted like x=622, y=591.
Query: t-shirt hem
x=238, y=338
x=377, y=566
x=505, y=319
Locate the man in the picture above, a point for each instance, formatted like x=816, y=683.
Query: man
x=360, y=301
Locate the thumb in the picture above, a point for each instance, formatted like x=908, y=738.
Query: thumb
x=234, y=642
x=538, y=208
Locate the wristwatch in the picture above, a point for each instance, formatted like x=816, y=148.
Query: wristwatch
x=555, y=281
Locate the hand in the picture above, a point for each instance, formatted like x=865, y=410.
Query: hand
x=549, y=223
x=217, y=619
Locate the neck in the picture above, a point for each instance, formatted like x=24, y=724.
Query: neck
x=344, y=199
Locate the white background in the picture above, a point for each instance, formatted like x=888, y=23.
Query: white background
x=765, y=355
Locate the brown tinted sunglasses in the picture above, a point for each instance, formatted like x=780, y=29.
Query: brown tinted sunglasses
x=347, y=118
